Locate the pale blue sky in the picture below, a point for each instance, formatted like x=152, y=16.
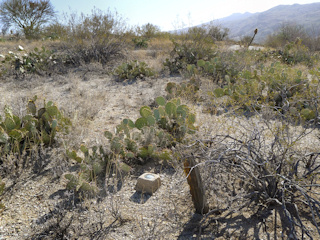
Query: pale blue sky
x=170, y=14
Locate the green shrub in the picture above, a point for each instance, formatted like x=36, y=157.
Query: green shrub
x=39, y=126
x=287, y=32
x=295, y=52
x=133, y=70
x=55, y=31
x=217, y=33
x=148, y=31
x=140, y=43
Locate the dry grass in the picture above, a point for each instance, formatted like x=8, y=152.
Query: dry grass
x=154, y=58
x=163, y=44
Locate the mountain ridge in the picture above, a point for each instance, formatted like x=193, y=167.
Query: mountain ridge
x=269, y=21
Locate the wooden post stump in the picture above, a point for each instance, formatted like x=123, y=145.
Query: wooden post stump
x=196, y=187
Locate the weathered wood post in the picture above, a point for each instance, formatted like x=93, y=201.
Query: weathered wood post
x=196, y=187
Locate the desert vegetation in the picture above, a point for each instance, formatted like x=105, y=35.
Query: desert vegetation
x=89, y=105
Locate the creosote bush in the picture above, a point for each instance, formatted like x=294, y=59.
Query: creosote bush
x=28, y=16
x=99, y=37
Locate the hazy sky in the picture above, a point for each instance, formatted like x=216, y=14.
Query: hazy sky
x=170, y=14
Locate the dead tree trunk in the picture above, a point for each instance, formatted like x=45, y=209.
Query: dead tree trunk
x=196, y=187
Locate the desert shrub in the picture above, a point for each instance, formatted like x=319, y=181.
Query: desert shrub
x=268, y=170
x=133, y=70
x=245, y=40
x=148, y=31
x=98, y=37
x=273, y=41
x=140, y=42
x=39, y=126
x=26, y=16
x=312, y=42
x=295, y=52
x=287, y=32
x=54, y=31
x=217, y=33
x=198, y=35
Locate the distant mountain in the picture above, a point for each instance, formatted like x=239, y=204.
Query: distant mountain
x=307, y=15
x=235, y=17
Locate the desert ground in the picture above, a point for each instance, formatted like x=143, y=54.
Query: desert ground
x=39, y=206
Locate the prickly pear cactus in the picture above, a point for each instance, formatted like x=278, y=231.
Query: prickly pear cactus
x=37, y=127
x=93, y=164
x=154, y=132
x=133, y=70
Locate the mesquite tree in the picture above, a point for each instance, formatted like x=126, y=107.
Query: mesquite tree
x=26, y=15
